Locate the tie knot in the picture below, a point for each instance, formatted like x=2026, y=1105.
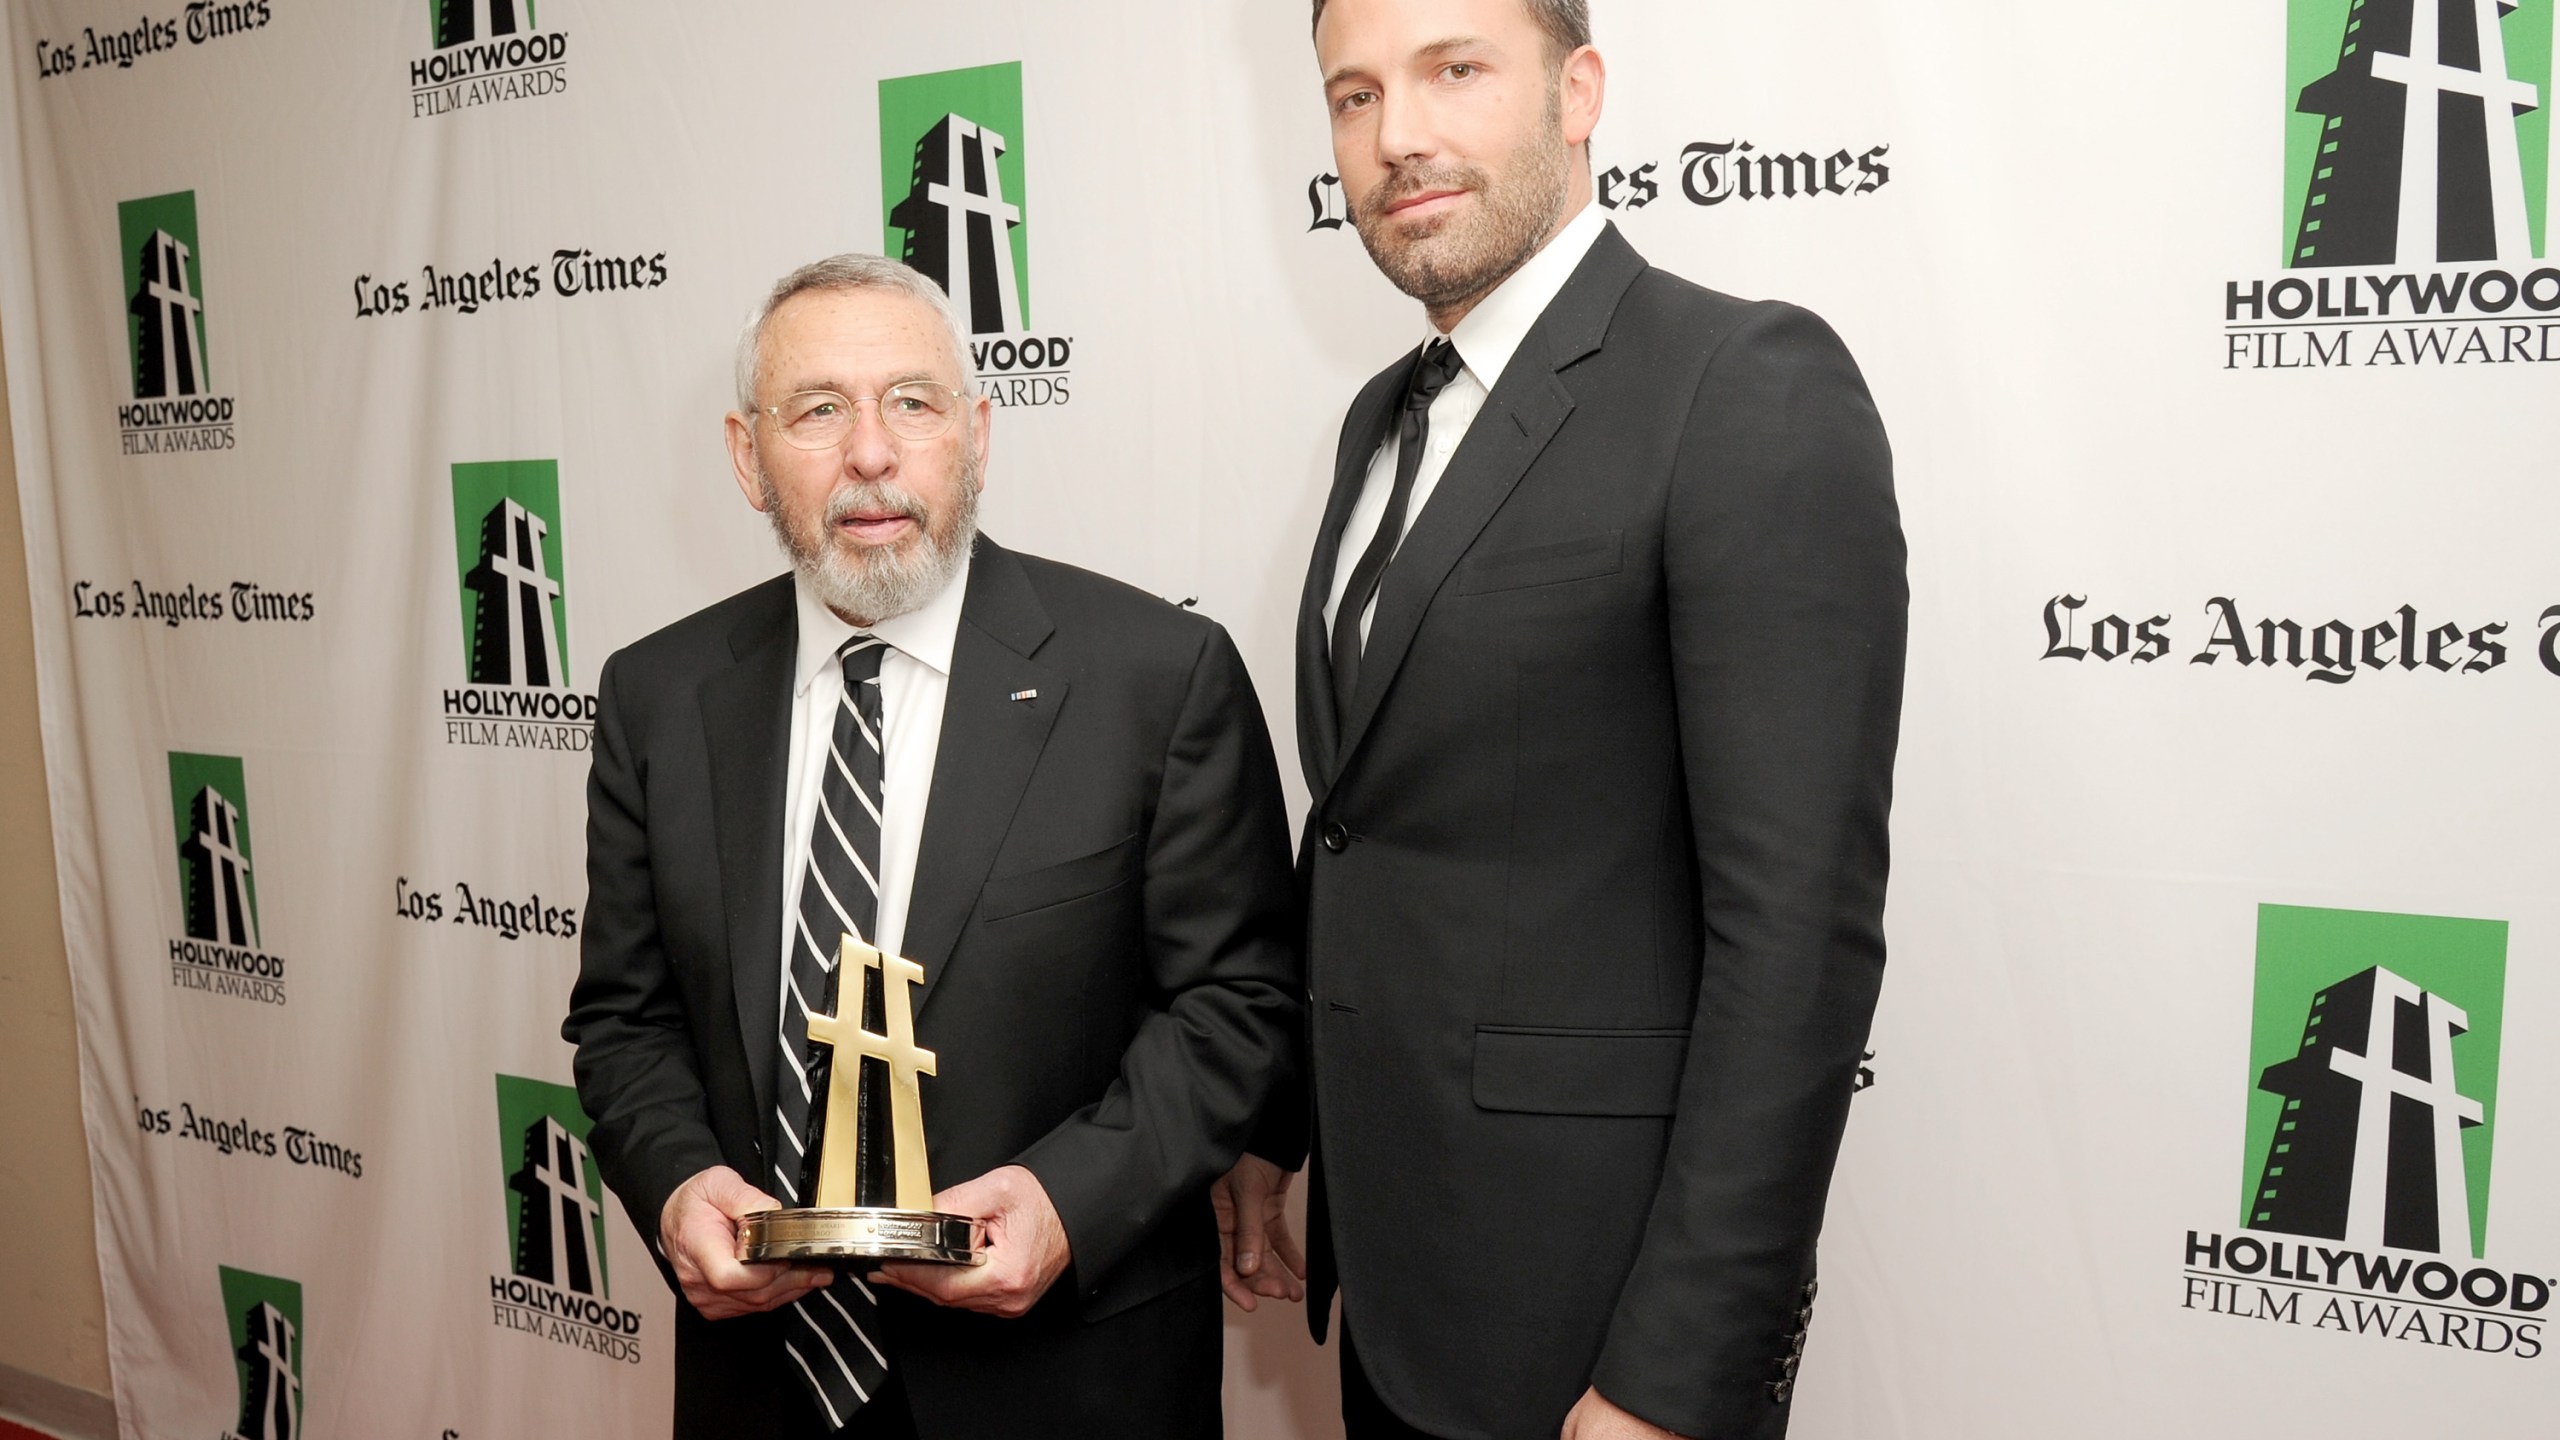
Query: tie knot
x=1440, y=365
x=862, y=656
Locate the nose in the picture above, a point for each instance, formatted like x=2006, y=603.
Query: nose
x=1404, y=125
x=870, y=451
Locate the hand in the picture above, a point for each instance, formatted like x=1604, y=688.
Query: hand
x=1253, y=1225
x=698, y=1233
x=1594, y=1418
x=1026, y=1247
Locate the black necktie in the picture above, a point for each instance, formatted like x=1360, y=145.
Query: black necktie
x=1439, y=366
x=832, y=1344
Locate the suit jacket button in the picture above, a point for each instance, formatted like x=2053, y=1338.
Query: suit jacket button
x=1336, y=838
x=1779, y=1390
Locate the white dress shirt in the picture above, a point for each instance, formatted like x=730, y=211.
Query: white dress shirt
x=914, y=677
x=1486, y=339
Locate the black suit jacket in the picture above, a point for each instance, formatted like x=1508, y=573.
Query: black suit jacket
x=1104, y=914
x=1595, y=869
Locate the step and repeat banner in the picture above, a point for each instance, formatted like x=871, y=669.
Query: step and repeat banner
x=367, y=364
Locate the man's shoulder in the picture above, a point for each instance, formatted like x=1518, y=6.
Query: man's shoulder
x=709, y=637
x=1661, y=303
x=1097, y=610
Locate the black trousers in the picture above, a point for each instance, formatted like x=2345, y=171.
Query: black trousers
x=776, y=1405
x=1150, y=1372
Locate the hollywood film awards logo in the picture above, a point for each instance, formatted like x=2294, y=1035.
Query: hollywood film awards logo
x=556, y=1288
x=515, y=618
x=223, y=952
x=951, y=176
x=2417, y=171
x=266, y=1341
x=2371, y=1125
x=486, y=52
x=176, y=407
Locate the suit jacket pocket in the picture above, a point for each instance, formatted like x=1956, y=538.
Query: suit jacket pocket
x=1578, y=1072
x=1550, y=564
x=1005, y=895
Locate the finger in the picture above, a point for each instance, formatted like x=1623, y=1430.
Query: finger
x=896, y=1277
x=1275, y=1284
x=725, y=1304
x=1285, y=1245
x=1238, y=1293
x=722, y=1270
x=1252, y=1207
x=794, y=1282
x=1224, y=1209
x=777, y=1290
x=927, y=1282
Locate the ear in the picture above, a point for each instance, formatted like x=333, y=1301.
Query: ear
x=1584, y=83
x=740, y=433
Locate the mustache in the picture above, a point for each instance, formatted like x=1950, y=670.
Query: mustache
x=872, y=497
x=1405, y=183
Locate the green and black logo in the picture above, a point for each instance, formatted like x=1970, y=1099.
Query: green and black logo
x=2375, y=1108
x=266, y=1341
x=485, y=51
x=515, y=616
x=223, y=951
x=2372, y=1121
x=175, y=405
x=955, y=199
x=2417, y=170
x=558, y=1286
x=2410, y=130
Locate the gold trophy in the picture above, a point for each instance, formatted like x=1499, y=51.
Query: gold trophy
x=870, y=1205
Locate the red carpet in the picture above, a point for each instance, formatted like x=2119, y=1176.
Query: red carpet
x=11, y=1431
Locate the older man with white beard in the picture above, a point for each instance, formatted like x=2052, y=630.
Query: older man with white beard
x=1053, y=793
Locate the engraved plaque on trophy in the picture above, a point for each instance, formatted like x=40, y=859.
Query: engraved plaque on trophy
x=874, y=1193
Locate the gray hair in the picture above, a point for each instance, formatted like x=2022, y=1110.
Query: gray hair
x=852, y=270
x=1567, y=24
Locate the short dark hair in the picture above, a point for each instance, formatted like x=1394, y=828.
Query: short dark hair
x=1567, y=23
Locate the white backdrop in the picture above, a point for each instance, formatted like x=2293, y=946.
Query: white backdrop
x=2035, y=263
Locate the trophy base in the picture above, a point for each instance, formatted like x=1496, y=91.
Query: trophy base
x=860, y=1233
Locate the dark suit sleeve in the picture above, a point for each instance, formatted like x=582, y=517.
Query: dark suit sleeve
x=1286, y=1130
x=1783, y=563
x=635, y=1063
x=1222, y=956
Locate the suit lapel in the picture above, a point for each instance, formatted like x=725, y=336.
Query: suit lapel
x=746, y=725
x=1518, y=419
x=1363, y=429
x=990, y=743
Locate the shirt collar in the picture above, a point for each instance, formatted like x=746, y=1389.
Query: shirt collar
x=927, y=633
x=1491, y=332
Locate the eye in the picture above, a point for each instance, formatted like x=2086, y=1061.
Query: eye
x=909, y=404
x=1459, y=71
x=1354, y=100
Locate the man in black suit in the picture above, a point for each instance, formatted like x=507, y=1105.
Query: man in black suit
x=1053, y=793
x=1600, y=670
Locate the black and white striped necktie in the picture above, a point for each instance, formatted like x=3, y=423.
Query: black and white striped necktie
x=831, y=1340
